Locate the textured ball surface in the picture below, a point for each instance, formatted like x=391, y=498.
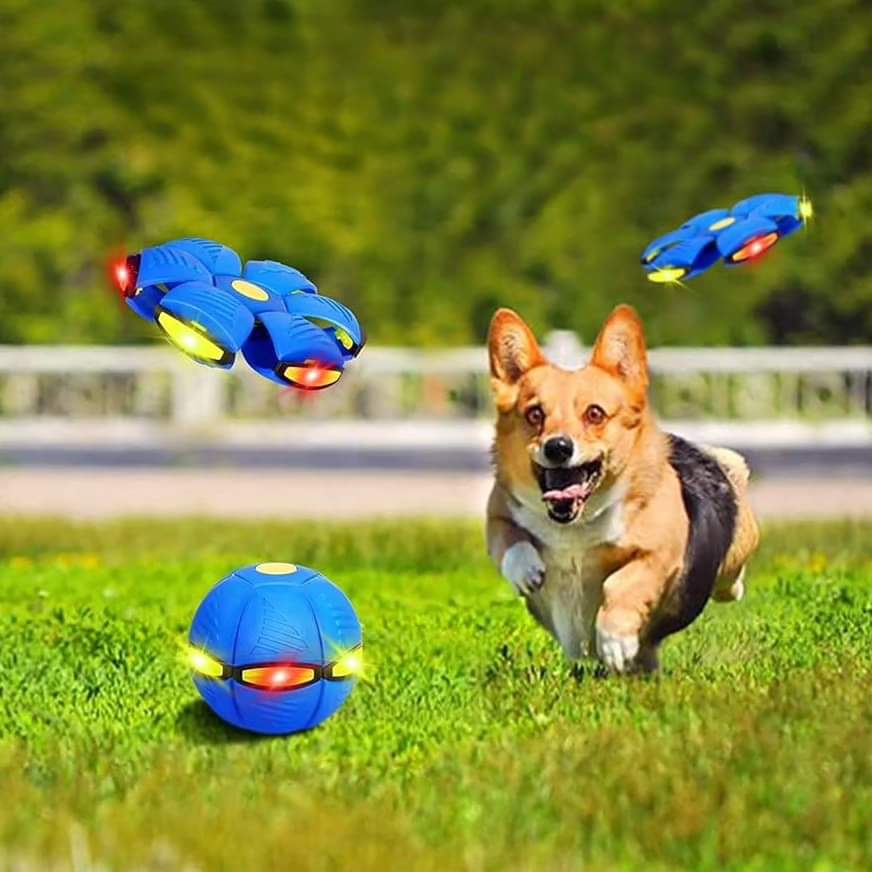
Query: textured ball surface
x=274, y=648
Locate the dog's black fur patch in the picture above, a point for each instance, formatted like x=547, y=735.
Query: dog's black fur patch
x=710, y=503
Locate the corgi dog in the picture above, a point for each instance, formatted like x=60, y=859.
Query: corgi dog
x=615, y=533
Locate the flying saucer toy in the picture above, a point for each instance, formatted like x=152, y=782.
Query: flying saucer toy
x=211, y=307
x=736, y=236
x=275, y=648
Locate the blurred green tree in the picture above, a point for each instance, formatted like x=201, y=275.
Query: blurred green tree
x=427, y=162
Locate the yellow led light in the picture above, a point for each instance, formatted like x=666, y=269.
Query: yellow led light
x=275, y=568
x=247, y=289
x=344, y=338
x=311, y=376
x=201, y=662
x=806, y=210
x=666, y=275
x=724, y=222
x=186, y=338
x=349, y=664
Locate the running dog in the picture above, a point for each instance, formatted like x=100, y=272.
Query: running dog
x=615, y=533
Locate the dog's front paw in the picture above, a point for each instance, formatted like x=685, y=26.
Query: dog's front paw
x=523, y=568
x=617, y=652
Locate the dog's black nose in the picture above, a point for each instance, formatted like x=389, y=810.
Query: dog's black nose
x=558, y=449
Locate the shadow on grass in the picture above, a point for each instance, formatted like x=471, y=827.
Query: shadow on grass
x=199, y=724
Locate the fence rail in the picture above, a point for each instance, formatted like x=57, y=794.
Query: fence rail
x=129, y=395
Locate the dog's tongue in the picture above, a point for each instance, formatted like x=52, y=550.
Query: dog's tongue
x=567, y=494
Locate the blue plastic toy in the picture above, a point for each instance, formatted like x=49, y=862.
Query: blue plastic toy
x=738, y=236
x=275, y=648
x=210, y=307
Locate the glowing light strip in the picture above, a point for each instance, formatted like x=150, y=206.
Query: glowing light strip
x=277, y=676
x=187, y=339
x=755, y=247
x=666, y=275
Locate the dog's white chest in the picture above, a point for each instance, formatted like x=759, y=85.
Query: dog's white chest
x=568, y=601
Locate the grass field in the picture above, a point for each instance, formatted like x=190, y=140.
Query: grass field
x=472, y=745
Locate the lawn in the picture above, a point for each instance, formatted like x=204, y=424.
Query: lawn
x=471, y=745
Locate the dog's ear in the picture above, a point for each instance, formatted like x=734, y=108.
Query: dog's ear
x=620, y=349
x=513, y=351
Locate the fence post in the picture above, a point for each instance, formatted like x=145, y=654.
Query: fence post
x=564, y=348
x=199, y=396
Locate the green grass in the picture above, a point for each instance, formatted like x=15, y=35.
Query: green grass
x=473, y=745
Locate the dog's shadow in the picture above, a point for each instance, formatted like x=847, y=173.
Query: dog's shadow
x=200, y=725
x=581, y=671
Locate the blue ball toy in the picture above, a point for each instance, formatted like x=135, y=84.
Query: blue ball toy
x=211, y=307
x=736, y=236
x=275, y=648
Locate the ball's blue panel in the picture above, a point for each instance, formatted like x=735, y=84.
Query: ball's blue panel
x=787, y=225
x=742, y=232
x=289, y=339
x=218, y=695
x=781, y=209
x=277, y=712
x=338, y=622
x=340, y=631
x=694, y=255
x=165, y=264
x=215, y=621
x=217, y=258
x=260, y=355
x=221, y=315
x=776, y=204
x=278, y=277
x=277, y=627
x=297, y=340
x=326, y=312
x=146, y=301
x=743, y=208
x=664, y=243
x=707, y=222
x=255, y=297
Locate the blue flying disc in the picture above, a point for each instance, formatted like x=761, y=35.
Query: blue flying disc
x=736, y=236
x=211, y=307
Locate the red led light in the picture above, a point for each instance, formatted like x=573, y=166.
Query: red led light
x=311, y=376
x=122, y=275
x=755, y=247
x=278, y=677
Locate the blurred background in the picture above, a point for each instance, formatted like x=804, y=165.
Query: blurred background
x=425, y=163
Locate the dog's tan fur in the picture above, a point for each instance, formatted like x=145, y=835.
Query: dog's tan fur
x=603, y=578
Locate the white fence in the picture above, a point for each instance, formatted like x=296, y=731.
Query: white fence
x=124, y=397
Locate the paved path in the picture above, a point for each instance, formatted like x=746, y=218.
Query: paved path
x=101, y=492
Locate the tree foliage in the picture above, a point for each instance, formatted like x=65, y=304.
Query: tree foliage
x=427, y=162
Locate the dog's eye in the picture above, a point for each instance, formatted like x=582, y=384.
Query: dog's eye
x=594, y=415
x=535, y=416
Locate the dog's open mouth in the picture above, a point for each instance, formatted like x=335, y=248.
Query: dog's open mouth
x=565, y=489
